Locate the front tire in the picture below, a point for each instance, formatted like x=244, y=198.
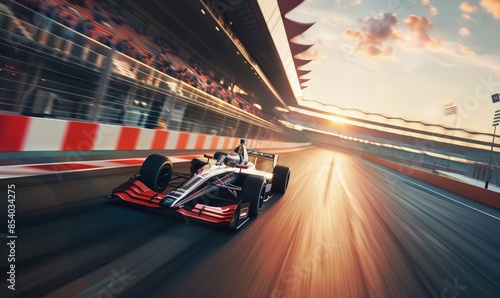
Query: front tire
x=281, y=176
x=253, y=192
x=156, y=172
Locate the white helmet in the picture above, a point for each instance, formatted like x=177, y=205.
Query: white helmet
x=233, y=158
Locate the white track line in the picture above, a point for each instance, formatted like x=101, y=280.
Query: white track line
x=438, y=193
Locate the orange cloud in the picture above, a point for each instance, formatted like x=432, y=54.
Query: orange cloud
x=419, y=30
x=375, y=32
x=464, y=31
x=467, y=7
x=492, y=6
x=466, y=50
x=432, y=9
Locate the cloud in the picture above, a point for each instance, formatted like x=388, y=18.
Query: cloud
x=374, y=33
x=322, y=41
x=467, y=7
x=309, y=55
x=466, y=16
x=492, y=6
x=466, y=50
x=419, y=29
x=432, y=9
x=464, y=31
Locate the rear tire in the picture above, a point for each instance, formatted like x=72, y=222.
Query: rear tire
x=156, y=172
x=281, y=175
x=253, y=191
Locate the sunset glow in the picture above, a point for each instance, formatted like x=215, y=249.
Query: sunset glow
x=404, y=60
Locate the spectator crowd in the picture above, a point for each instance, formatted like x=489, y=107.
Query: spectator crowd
x=100, y=20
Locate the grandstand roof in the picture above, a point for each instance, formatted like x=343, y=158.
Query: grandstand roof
x=300, y=62
x=288, y=5
x=193, y=29
x=302, y=81
x=299, y=48
x=294, y=28
x=301, y=72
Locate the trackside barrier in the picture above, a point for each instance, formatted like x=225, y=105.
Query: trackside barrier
x=481, y=195
x=22, y=133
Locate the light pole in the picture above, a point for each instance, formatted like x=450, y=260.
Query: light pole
x=449, y=110
x=495, y=97
x=496, y=121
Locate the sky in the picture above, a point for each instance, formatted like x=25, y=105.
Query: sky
x=404, y=58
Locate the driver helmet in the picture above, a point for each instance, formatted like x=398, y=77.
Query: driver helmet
x=233, y=158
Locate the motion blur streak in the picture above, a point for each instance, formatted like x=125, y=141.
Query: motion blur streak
x=348, y=229
x=345, y=228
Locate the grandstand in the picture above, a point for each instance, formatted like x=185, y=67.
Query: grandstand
x=221, y=68
x=192, y=66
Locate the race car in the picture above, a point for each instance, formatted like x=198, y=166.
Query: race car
x=223, y=188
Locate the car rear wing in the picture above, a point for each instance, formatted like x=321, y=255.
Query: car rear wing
x=268, y=156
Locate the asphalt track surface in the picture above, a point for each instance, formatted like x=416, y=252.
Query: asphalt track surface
x=345, y=228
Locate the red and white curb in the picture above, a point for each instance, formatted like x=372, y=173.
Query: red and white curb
x=28, y=170
x=17, y=171
x=22, y=133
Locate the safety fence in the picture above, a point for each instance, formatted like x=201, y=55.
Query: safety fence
x=484, y=167
x=53, y=72
x=479, y=194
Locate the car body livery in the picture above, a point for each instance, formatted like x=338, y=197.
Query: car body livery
x=217, y=190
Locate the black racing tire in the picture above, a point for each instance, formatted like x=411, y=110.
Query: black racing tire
x=156, y=172
x=253, y=192
x=196, y=164
x=281, y=176
x=217, y=154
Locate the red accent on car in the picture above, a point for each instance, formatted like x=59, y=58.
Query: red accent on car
x=134, y=191
x=240, y=166
x=208, y=156
x=244, y=213
x=210, y=214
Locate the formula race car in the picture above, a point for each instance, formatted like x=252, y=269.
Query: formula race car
x=223, y=188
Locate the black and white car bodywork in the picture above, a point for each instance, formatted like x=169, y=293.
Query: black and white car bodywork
x=215, y=191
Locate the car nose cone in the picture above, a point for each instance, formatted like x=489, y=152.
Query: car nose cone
x=167, y=202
